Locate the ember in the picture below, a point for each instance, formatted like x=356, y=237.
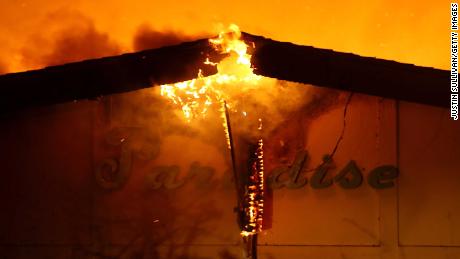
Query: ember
x=253, y=203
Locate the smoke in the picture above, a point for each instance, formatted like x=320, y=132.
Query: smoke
x=277, y=104
x=148, y=38
x=72, y=37
x=272, y=102
x=78, y=43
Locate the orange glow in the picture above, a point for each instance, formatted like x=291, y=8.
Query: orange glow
x=408, y=31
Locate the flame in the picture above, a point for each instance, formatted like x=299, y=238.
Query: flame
x=225, y=123
x=254, y=201
x=195, y=96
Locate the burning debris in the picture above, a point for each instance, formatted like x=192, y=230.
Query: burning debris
x=253, y=203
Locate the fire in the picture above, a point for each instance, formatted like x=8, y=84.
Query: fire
x=235, y=77
x=253, y=204
x=196, y=96
x=225, y=123
x=229, y=42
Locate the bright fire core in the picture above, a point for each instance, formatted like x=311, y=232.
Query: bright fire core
x=234, y=77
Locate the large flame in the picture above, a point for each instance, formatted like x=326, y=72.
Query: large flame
x=196, y=96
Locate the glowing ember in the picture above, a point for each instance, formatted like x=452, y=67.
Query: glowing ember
x=253, y=203
x=224, y=115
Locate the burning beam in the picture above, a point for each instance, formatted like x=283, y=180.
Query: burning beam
x=98, y=77
x=349, y=72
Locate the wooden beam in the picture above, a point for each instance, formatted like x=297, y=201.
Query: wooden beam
x=90, y=79
x=349, y=72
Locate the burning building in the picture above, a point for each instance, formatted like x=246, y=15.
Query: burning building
x=236, y=146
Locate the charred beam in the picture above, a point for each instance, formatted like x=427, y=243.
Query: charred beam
x=349, y=72
x=98, y=77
